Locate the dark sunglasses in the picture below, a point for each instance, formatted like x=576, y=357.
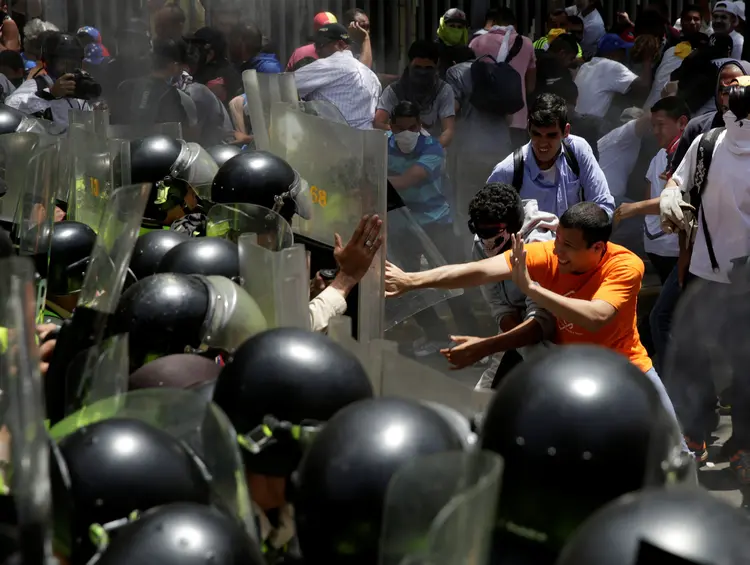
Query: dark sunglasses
x=486, y=232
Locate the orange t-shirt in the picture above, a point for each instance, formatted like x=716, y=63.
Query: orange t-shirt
x=616, y=281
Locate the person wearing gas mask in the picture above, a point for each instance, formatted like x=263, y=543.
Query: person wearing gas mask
x=421, y=84
x=60, y=86
x=157, y=98
x=497, y=211
x=706, y=201
x=211, y=66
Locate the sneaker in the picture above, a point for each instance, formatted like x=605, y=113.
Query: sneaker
x=740, y=464
x=699, y=449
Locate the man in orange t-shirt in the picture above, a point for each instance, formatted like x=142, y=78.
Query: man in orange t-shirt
x=589, y=284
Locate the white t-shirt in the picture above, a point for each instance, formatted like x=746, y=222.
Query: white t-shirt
x=654, y=239
x=669, y=62
x=550, y=175
x=618, y=153
x=598, y=81
x=593, y=29
x=726, y=206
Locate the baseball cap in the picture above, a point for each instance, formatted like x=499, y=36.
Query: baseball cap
x=323, y=19
x=454, y=15
x=93, y=54
x=330, y=33
x=729, y=7
x=612, y=42
x=740, y=7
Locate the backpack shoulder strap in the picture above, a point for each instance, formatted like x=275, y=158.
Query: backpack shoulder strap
x=518, y=165
x=702, y=166
x=572, y=161
x=516, y=49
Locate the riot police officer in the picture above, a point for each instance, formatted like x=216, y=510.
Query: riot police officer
x=662, y=526
x=203, y=256
x=340, y=487
x=576, y=428
x=222, y=153
x=261, y=178
x=151, y=248
x=277, y=390
x=71, y=244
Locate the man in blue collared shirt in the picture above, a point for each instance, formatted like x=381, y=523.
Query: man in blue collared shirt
x=548, y=175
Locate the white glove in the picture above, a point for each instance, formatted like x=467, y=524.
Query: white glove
x=670, y=210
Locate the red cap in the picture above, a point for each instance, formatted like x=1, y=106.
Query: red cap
x=323, y=19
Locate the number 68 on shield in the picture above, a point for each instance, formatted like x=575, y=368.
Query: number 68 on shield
x=319, y=196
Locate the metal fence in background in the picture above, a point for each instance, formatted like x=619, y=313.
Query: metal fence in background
x=288, y=23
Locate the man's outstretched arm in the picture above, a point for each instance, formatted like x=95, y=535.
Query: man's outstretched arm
x=466, y=275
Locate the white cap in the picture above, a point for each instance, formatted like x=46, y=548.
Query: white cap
x=731, y=8
x=632, y=113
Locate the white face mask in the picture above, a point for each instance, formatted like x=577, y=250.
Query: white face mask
x=406, y=140
x=738, y=134
x=494, y=246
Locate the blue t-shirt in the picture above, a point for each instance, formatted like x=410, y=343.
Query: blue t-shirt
x=425, y=200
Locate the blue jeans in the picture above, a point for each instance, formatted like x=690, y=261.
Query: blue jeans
x=666, y=401
x=660, y=318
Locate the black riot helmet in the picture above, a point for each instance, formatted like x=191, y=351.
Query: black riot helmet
x=203, y=256
x=166, y=314
x=70, y=248
x=279, y=384
x=563, y=422
x=676, y=526
x=222, y=153
x=115, y=467
x=151, y=248
x=182, y=534
x=340, y=486
x=175, y=168
x=263, y=179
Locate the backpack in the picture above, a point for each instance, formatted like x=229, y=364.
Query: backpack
x=496, y=86
x=702, y=166
x=570, y=158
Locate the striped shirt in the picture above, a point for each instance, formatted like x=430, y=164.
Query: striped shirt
x=344, y=82
x=425, y=200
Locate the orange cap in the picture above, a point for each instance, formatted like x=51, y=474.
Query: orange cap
x=324, y=18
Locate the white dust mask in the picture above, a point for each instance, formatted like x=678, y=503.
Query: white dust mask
x=406, y=140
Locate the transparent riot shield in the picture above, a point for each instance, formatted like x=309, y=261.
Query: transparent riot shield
x=36, y=213
x=323, y=109
x=106, y=370
x=346, y=171
x=393, y=374
x=137, y=131
x=277, y=280
x=15, y=150
x=263, y=90
x=440, y=510
x=188, y=417
x=24, y=414
x=410, y=248
x=102, y=286
x=230, y=221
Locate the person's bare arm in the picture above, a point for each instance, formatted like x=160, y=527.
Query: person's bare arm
x=529, y=332
x=11, y=36
x=413, y=176
x=365, y=56
x=449, y=128
x=466, y=275
x=382, y=120
x=591, y=315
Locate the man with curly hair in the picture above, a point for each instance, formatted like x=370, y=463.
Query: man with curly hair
x=495, y=213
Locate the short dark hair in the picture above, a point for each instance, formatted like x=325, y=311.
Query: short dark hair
x=558, y=12
x=576, y=20
x=168, y=51
x=690, y=8
x=673, y=106
x=588, y=217
x=250, y=34
x=505, y=16
x=12, y=60
x=564, y=43
x=424, y=49
x=497, y=202
x=351, y=15
x=548, y=110
x=406, y=109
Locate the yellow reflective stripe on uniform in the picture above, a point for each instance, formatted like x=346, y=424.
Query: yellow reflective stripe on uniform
x=3, y=340
x=146, y=229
